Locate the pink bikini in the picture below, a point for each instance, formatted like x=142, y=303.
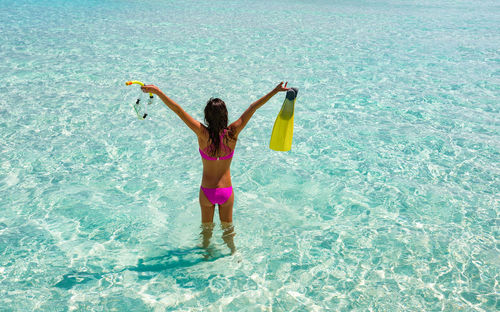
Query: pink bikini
x=222, y=194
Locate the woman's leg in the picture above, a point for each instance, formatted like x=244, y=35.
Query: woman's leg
x=207, y=218
x=226, y=222
x=228, y=235
x=207, y=209
x=226, y=210
x=206, y=233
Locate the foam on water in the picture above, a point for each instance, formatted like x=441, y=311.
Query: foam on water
x=387, y=201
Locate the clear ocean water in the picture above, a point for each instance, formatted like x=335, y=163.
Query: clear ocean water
x=388, y=201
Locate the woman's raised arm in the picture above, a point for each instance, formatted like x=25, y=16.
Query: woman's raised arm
x=192, y=123
x=239, y=124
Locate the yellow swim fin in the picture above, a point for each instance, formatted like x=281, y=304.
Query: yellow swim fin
x=281, y=138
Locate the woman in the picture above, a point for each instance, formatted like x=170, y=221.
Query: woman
x=217, y=142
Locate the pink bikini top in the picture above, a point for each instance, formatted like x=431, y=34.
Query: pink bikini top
x=228, y=156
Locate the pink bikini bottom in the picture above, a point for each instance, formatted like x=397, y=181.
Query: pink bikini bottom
x=217, y=195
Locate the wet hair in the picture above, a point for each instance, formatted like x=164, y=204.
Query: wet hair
x=215, y=121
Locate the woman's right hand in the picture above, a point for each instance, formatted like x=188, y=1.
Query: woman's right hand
x=280, y=87
x=151, y=89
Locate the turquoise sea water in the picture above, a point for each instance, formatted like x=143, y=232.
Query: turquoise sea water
x=388, y=201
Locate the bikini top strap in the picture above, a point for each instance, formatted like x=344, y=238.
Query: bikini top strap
x=222, y=138
x=223, y=134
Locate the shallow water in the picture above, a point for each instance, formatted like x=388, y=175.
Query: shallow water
x=388, y=200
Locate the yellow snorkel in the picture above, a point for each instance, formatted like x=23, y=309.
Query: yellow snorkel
x=140, y=110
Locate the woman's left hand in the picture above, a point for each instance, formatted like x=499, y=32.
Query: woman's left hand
x=280, y=87
x=150, y=89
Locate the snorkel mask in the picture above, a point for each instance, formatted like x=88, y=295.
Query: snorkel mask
x=139, y=106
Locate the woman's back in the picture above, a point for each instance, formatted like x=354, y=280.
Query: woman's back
x=216, y=162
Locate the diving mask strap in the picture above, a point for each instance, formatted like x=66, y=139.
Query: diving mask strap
x=138, y=101
x=150, y=101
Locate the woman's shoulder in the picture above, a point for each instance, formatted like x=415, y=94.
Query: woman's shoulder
x=204, y=131
x=231, y=132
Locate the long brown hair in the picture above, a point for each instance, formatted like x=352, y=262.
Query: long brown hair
x=215, y=121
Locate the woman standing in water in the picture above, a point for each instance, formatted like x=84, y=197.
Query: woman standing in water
x=216, y=141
